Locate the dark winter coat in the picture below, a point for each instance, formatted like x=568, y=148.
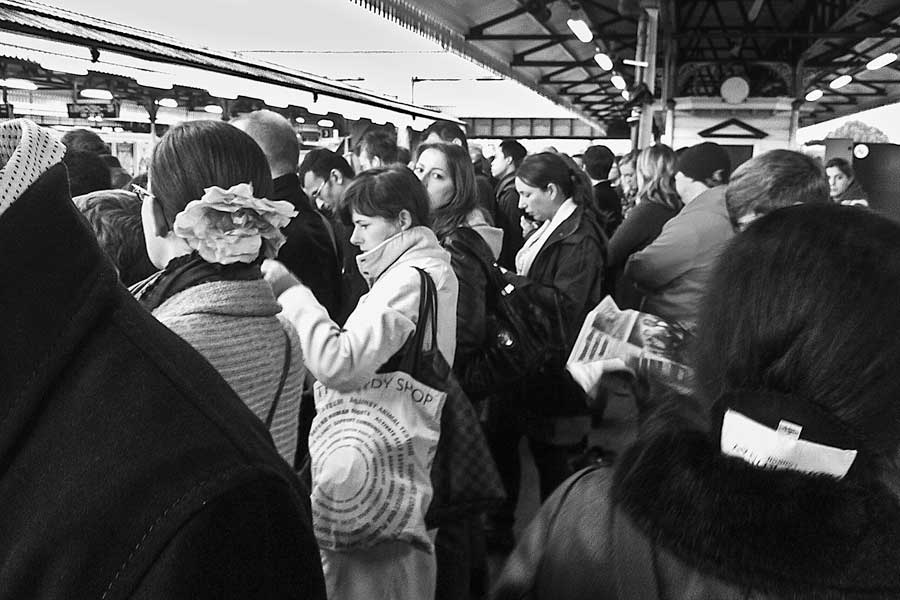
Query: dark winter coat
x=310, y=251
x=507, y=218
x=130, y=468
x=679, y=520
x=609, y=207
x=568, y=273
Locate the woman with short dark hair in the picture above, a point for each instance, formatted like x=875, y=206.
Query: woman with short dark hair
x=789, y=488
x=389, y=211
x=845, y=189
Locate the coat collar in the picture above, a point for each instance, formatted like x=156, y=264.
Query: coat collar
x=779, y=531
x=287, y=187
x=418, y=240
x=57, y=284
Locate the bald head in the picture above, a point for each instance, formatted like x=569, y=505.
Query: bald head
x=275, y=136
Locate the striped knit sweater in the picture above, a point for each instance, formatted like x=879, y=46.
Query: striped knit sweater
x=234, y=325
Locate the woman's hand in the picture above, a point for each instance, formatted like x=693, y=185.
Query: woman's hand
x=278, y=276
x=527, y=225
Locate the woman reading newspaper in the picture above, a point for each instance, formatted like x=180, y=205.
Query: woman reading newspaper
x=789, y=490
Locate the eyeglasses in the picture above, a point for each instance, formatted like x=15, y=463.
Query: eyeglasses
x=142, y=193
x=318, y=191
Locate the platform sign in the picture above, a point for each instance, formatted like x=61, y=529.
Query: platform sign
x=6, y=111
x=93, y=110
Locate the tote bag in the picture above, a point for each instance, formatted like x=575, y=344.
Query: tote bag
x=371, y=451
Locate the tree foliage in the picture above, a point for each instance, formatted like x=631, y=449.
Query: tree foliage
x=859, y=132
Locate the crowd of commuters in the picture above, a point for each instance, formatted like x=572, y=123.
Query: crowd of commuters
x=254, y=276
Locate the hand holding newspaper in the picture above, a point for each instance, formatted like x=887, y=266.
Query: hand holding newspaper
x=643, y=345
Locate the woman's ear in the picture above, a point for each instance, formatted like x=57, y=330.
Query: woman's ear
x=553, y=189
x=337, y=178
x=404, y=219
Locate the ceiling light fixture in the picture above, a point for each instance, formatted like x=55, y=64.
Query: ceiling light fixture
x=300, y=120
x=18, y=84
x=626, y=94
x=636, y=63
x=213, y=109
x=325, y=123
x=882, y=61
x=167, y=102
x=603, y=61
x=96, y=94
x=580, y=29
x=814, y=95
x=618, y=81
x=840, y=82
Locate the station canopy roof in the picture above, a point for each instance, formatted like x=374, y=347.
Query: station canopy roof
x=59, y=49
x=782, y=48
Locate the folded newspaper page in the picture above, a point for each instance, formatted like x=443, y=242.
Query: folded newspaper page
x=643, y=345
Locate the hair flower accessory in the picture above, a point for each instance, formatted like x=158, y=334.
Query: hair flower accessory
x=229, y=226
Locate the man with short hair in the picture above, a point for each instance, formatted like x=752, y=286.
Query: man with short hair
x=673, y=271
x=506, y=161
x=774, y=180
x=325, y=176
x=451, y=133
x=598, y=160
x=377, y=148
x=310, y=251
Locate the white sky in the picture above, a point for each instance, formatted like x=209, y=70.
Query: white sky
x=340, y=40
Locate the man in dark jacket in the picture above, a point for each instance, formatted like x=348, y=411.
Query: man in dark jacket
x=598, y=160
x=503, y=167
x=311, y=251
x=131, y=469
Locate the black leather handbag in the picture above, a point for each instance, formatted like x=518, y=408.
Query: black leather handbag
x=525, y=334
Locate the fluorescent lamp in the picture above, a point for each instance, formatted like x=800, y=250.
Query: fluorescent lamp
x=325, y=123
x=167, y=102
x=618, y=81
x=580, y=29
x=882, y=61
x=636, y=63
x=159, y=81
x=300, y=120
x=96, y=94
x=63, y=64
x=18, y=84
x=626, y=94
x=213, y=109
x=603, y=61
x=814, y=95
x=840, y=82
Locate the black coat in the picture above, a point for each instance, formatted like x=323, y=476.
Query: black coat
x=568, y=272
x=679, y=520
x=311, y=251
x=471, y=305
x=609, y=207
x=507, y=218
x=130, y=468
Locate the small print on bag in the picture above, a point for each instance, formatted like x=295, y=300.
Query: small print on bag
x=371, y=453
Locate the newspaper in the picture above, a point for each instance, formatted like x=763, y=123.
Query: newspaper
x=641, y=344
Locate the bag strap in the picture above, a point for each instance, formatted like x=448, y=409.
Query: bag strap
x=284, y=374
x=427, y=312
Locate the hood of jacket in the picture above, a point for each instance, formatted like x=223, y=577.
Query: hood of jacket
x=781, y=532
x=413, y=244
x=251, y=298
x=493, y=236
